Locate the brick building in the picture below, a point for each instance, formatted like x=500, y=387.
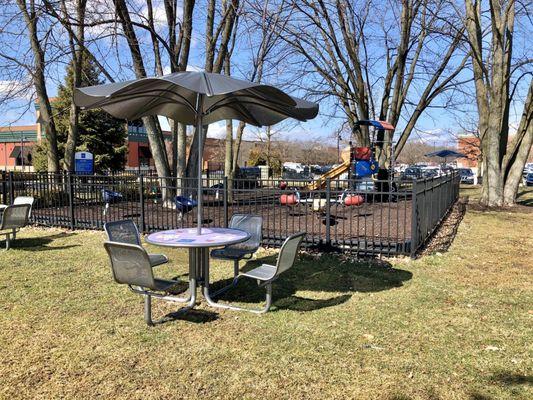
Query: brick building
x=17, y=143
x=470, y=147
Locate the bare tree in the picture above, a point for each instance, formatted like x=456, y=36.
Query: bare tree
x=76, y=38
x=218, y=35
x=36, y=32
x=366, y=74
x=493, y=64
x=261, y=23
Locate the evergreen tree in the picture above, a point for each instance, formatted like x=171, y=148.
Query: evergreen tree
x=99, y=132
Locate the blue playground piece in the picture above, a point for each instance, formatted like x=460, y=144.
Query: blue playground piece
x=110, y=196
x=184, y=205
x=365, y=168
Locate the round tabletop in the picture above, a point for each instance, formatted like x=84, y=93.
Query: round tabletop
x=188, y=237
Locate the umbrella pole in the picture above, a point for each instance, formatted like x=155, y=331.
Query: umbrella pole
x=199, y=132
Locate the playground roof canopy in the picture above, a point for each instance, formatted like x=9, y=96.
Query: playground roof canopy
x=445, y=154
x=382, y=125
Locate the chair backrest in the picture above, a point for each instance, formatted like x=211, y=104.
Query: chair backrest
x=15, y=216
x=124, y=231
x=251, y=224
x=288, y=252
x=24, y=200
x=130, y=264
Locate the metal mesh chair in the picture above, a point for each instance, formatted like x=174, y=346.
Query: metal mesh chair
x=131, y=266
x=266, y=274
x=253, y=225
x=13, y=218
x=24, y=200
x=126, y=231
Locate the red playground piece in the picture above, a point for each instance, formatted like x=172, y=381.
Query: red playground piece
x=283, y=185
x=362, y=153
x=288, y=199
x=354, y=200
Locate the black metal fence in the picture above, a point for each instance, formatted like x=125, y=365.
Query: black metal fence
x=386, y=218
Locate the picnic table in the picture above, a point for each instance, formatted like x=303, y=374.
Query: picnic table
x=198, y=246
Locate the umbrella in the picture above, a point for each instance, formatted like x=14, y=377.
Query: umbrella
x=196, y=98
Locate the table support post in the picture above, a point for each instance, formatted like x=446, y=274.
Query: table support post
x=198, y=263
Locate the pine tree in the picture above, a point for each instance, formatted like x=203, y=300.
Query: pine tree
x=99, y=132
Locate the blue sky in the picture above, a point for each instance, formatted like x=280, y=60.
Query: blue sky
x=433, y=127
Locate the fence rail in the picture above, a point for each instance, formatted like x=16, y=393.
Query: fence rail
x=387, y=217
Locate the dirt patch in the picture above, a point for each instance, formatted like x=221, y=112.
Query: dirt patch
x=517, y=208
x=445, y=233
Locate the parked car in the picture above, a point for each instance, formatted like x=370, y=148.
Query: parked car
x=411, y=173
x=249, y=173
x=529, y=179
x=467, y=176
x=430, y=173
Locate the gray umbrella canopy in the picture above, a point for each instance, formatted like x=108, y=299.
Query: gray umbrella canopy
x=176, y=96
x=196, y=98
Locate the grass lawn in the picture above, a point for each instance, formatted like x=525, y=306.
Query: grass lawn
x=456, y=325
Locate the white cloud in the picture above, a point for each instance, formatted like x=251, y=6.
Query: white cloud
x=217, y=130
x=16, y=90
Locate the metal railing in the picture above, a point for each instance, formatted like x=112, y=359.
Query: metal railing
x=386, y=218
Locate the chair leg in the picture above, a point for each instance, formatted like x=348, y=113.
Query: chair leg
x=14, y=233
x=8, y=244
x=191, y=302
x=232, y=284
x=235, y=268
x=148, y=310
x=264, y=309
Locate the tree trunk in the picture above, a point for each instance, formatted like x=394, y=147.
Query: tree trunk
x=519, y=152
x=153, y=130
x=228, y=160
x=46, y=119
x=182, y=150
x=515, y=173
x=76, y=43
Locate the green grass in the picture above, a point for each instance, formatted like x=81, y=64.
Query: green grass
x=456, y=325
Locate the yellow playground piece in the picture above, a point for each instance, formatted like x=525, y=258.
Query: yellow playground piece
x=320, y=182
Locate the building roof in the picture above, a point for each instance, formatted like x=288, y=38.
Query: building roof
x=17, y=129
x=11, y=134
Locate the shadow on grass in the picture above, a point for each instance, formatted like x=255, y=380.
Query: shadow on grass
x=512, y=378
x=326, y=274
x=195, y=315
x=40, y=243
x=479, y=396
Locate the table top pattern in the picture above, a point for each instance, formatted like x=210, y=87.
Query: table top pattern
x=188, y=237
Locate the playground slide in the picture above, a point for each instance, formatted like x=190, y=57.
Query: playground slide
x=320, y=182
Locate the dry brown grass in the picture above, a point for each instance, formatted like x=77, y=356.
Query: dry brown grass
x=455, y=325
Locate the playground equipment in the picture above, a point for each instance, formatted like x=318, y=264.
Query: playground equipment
x=184, y=205
x=345, y=199
x=359, y=162
x=110, y=196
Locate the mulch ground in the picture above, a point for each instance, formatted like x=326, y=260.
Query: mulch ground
x=387, y=222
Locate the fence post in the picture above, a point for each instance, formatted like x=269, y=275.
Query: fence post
x=70, y=186
x=11, y=188
x=328, y=211
x=414, y=221
x=4, y=187
x=141, y=200
x=225, y=191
